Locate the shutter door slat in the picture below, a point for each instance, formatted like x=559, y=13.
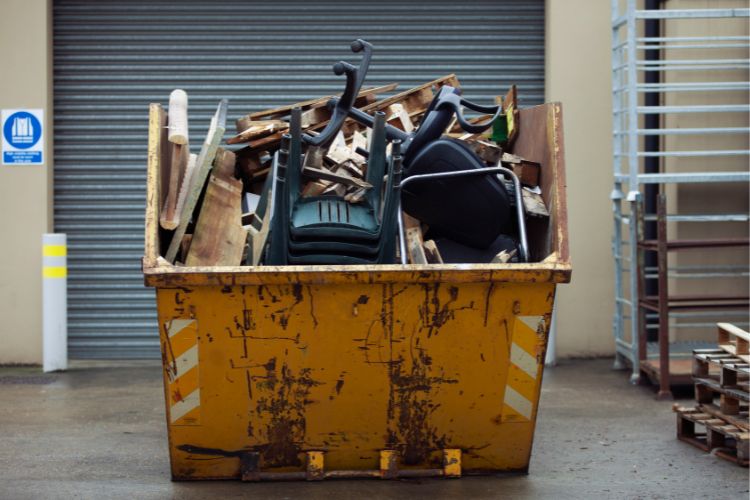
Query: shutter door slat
x=112, y=58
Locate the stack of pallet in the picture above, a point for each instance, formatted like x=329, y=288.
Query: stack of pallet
x=212, y=209
x=721, y=375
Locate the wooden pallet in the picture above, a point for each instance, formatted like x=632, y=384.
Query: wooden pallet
x=740, y=420
x=732, y=399
x=720, y=437
x=734, y=340
x=730, y=370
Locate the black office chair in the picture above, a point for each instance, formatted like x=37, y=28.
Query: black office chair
x=471, y=210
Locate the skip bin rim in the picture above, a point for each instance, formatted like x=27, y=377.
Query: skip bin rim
x=555, y=268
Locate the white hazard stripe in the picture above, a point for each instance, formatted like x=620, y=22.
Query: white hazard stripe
x=186, y=361
x=177, y=325
x=519, y=403
x=523, y=360
x=181, y=408
x=533, y=322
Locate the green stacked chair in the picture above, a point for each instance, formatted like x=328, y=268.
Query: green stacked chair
x=329, y=229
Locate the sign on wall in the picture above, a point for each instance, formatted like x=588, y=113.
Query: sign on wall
x=22, y=136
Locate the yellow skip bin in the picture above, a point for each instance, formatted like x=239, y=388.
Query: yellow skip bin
x=314, y=372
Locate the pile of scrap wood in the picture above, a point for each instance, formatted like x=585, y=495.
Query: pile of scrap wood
x=722, y=376
x=215, y=204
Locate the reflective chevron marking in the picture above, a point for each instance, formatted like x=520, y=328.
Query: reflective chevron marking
x=523, y=360
x=522, y=386
x=181, y=350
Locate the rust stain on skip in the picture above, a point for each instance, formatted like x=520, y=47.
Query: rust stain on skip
x=412, y=382
x=282, y=400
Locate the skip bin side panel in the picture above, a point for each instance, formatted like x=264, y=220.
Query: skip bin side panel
x=352, y=369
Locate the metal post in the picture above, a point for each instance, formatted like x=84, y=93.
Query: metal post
x=54, y=302
x=634, y=192
x=662, y=253
x=617, y=195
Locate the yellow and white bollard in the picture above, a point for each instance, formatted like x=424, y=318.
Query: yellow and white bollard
x=54, y=302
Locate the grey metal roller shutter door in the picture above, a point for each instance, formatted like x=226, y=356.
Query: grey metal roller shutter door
x=111, y=58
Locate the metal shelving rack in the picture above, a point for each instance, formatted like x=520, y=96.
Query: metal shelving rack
x=639, y=167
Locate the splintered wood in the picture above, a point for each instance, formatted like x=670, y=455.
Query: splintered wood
x=198, y=179
x=215, y=207
x=219, y=237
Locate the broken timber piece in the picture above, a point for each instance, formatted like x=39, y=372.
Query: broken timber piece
x=258, y=129
x=356, y=196
x=174, y=220
x=219, y=238
x=185, y=245
x=247, y=165
x=399, y=117
x=359, y=141
x=432, y=253
x=178, y=163
x=335, y=188
x=350, y=168
x=503, y=257
x=314, y=188
x=163, y=151
x=198, y=179
x=416, y=99
x=178, y=122
x=271, y=142
x=319, y=102
x=224, y=164
x=526, y=171
x=414, y=242
x=534, y=204
x=487, y=151
x=339, y=178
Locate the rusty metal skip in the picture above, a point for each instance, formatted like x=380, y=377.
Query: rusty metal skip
x=390, y=371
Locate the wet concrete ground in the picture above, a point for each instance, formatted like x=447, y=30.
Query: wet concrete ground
x=98, y=431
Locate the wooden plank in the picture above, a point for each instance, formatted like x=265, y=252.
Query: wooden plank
x=359, y=141
x=503, y=257
x=431, y=252
x=165, y=152
x=534, y=204
x=198, y=180
x=527, y=171
x=337, y=177
x=399, y=117
x=730, y=330
x=489, y=152
x=259, y=129
x=734, y=340
x=414, y=240
x=417, y=92
x=178, y=160
x=224, y=164
x=219, y=238
x=157, y=136
x=414, y=100
x=310, y=104
x=184, y=188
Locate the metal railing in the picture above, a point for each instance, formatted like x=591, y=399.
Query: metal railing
x=715, y=55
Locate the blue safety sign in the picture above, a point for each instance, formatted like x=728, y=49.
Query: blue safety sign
x=22, y=136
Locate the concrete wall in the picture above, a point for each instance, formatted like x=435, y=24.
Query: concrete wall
x=25, y=194
x=578, y=74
